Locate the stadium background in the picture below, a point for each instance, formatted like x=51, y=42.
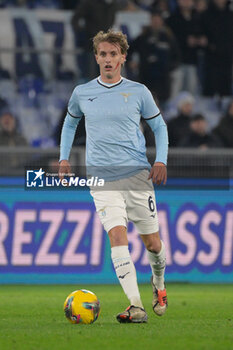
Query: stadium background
x=56, y=237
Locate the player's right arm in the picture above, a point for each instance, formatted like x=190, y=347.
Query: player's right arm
x=64, y=168
x=72, y=119
x=67, y=138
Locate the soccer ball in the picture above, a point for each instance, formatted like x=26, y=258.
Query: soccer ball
x=82, y=306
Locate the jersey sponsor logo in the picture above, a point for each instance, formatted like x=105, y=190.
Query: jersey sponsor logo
x=92, y=99
x=125, y=96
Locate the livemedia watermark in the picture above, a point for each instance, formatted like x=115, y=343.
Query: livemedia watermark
x=39, y=179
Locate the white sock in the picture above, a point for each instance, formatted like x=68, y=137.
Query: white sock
x=158, y=263
x=126, y=273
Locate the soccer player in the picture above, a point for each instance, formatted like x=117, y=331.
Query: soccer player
x=113, y=107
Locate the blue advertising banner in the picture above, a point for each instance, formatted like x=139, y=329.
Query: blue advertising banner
x=57, y=237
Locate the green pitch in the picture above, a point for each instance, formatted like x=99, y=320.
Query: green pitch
x=198, y=317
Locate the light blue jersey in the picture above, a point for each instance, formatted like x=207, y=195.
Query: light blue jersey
x=112, y=119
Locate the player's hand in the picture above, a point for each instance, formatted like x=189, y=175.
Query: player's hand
x=64, y=169
x=158, y=173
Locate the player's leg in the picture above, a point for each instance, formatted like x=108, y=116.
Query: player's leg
x=157, y=259
x=110, y=206
x=123, y=264
x=126, y=273
x=141, y=209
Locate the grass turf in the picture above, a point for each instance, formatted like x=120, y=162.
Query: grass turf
x=198, y=317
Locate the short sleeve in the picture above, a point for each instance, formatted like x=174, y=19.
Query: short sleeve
x=149, y=108
x=73, y=105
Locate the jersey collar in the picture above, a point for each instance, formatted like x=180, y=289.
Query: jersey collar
x=108, y=86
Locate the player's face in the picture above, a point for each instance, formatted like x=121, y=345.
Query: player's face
x=109, y=59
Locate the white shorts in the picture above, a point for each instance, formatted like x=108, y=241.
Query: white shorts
x=117, y=207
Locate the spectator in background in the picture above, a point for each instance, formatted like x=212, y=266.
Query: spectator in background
x=9, y=136
x=224, y=129
x=154, y=54
x=148, y=5
x=186, y=28
x=179, y=126
x=89, y=18
x=218, y=29
x=200, y=6
x=198, y=136
x=164, y=7
x=4, y=74
x=130, y=6
x=3, y=105
x=69, y=4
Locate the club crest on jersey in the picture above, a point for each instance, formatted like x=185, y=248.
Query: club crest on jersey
x=125, y=96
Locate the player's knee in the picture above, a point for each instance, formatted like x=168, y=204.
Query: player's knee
x=117, y=236
x=153, y=245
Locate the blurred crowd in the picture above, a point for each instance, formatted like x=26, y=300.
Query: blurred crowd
x=189, y=48
x=184, y=56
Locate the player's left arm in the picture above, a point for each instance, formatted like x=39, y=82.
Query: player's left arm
x=158, y=172
x=153, y=117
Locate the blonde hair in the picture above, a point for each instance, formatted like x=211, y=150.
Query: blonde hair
x=111, y=37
